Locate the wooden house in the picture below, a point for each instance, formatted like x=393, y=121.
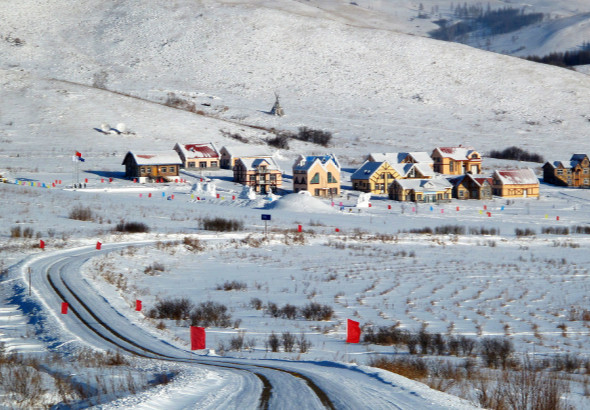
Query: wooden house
x=376, y=177
x=471, y=186
x=572, y=173
x=319, y=175
x=261, y=173
x=200, y=156
x=401, y=158
x=150, y=165
x=421, y=190
x=228, y=154
x=515, y=183
x=456, y=160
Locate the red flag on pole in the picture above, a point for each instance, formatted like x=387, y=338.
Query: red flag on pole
x=79, y=155
x=64, y=308
x=197, y=338
x=138, y=305
x=353, y=331
x=41, y=244
x=98, y=246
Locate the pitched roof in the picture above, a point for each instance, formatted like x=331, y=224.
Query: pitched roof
x=398, y=157
x=516, y=176
x=366, y=170
x=305, y=163
x=192, y=151
x=154, y=157
x=424, y=185
x=456, y=153
x=578, y=157
x=563, y=164
x=251, y=163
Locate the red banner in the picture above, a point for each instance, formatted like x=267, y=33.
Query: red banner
x=64, y=308
x=353, y=331
x=41, y=244
x=197, y=338
x=98, y=246
x=138, y=305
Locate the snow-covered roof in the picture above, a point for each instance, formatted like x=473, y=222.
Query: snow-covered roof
x=578, y=157
x=154, y=157
x=424, y=185
x=366, y=170
x=516, y=176
x=252, y=163
x=305, y=163
x=246, y=150
x=424, y=169
x=398, y=157
x=456, y=153
x=194, y=151
x=563, y=164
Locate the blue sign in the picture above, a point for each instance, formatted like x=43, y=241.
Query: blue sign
x=265, y=217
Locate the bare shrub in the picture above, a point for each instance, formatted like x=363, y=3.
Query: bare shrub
x=154, y=269
x=555, y=230
x=303, y=344
x=517, y=154
x=496, y=352
x=315, y=136
x=210, y=314
x=221, y=224
x=15, y=232
x=233, y=285
x=280, y=141
x=256, y=303
x=236, y=136
x=524, y=232
x=193, y=244
x=412, y=368
x=316, y=311
x=450, y=229
x=237, y=342
x=272, y=309
x=81, y=213
x=288, y=341
x=131, y=227
x=273, y=342
x=288, y=311
x=175, y=309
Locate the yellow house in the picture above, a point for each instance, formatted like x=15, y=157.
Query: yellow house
x=401, y=158
x=317, y=174
x=262, y=174
x=515, y=183
x=456, y=160
x=421, y=190
x=376, y=177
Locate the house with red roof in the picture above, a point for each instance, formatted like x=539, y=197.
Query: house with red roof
x=515, y=183
x=202, y=156
x=152, y=165
x=456, y=160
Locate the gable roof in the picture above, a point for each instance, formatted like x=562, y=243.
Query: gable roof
x=169, y=157
x=305, y=163
x=194, y=151
x=516, y=176
x=251, y=163
x=562, y=164
x=367, y=170
x=578, y=157
x=398, y=157
x=456, y=153
x=423, y=185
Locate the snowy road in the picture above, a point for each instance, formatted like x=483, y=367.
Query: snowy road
x=226, y=382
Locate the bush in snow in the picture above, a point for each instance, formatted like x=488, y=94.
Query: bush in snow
x=81, y=213
x=496, y=352
x=233, y=285
x=175, y=309
x=131, y=227
x=315, y=311
x=210, y=314
x=221, y=224
x=273, y=342
x=517, y=154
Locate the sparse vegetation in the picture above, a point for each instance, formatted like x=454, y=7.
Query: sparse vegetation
x=81, y=213
x=131, y=227
x=222, y=224
x=517, y=154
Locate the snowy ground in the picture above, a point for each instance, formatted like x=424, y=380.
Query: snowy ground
x=337, y=67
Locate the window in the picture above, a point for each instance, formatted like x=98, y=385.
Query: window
x=461, y=193
x=164, y=169
x=586, y=181
x=446, y=195
x=252, y=178
x=451, y=166
x=569, y=171
x=559, y=171
x=202, y=164
x=273, y=177
x=191, y=164
x=316, y=178
x=142, y=170
x=148, y=170
x=586, y=170
x=214, y=164
x=317, y=192
x=331, y=178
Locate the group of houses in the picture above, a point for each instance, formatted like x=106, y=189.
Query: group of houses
x=448, y=172
x=572, y=173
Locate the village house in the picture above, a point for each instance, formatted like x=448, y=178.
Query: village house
x=515, y=183
x=152, y=165
x=456, y=160
x=376, y=177
x=572, y=173
x=229, y=154
x=401, y=158
x=200, y=156
x=319, y=175
x=471, y=186
x=421, y=190
x=261, y=173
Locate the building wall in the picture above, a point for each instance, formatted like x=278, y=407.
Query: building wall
x=517, y=191
x=322, y=188
x=202, y=163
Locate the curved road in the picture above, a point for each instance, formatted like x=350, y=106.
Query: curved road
x=255, y=383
